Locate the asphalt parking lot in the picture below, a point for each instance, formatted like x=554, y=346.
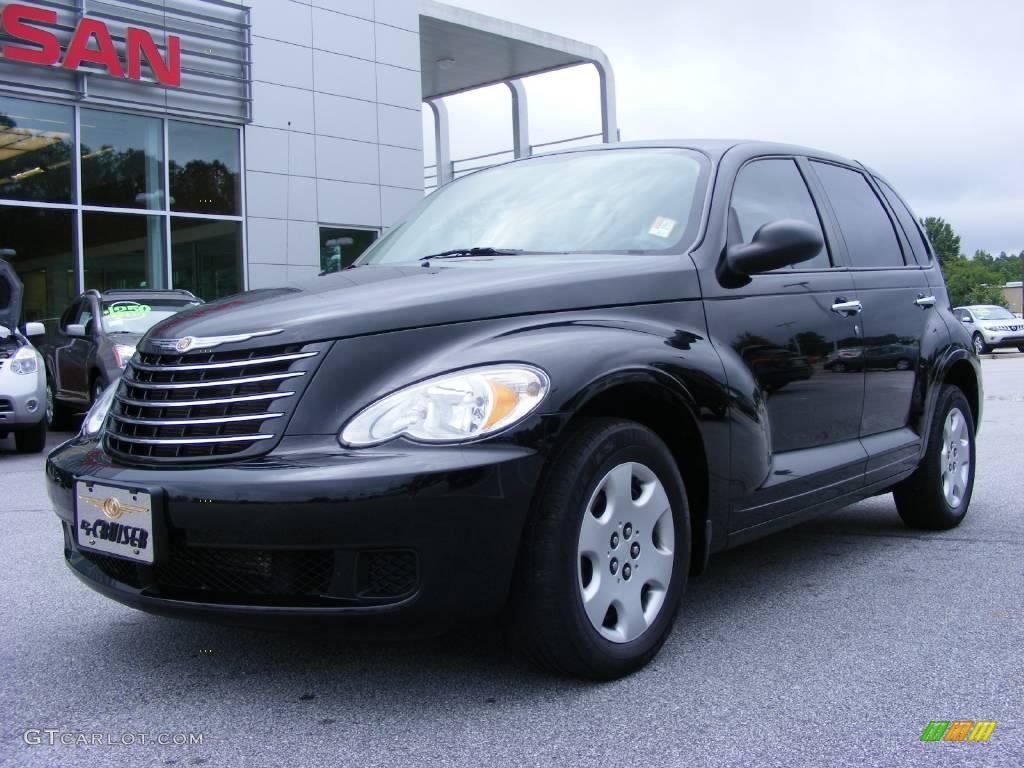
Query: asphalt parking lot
x=832, y=644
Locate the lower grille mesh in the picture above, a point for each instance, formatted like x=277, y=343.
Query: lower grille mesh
x=386, y=573
x=226, y=574
x=248, y=571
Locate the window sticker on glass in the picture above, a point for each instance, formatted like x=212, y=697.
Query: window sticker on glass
x=662, y=227
x=126, y=309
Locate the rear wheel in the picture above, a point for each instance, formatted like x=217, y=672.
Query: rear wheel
x=31, y=440
x=937, y=495
x=605, y=553
x=980, y=346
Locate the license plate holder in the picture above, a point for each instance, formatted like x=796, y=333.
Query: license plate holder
x=118, y=520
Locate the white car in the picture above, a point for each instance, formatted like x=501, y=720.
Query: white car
x=22, y=374
x=991, y=327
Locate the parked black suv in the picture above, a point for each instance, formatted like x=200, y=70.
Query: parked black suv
x=541, y=393
x=92, y=342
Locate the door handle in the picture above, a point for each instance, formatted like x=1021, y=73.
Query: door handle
x=844, y=307
x=924, y=301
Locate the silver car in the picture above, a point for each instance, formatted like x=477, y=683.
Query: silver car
x=991, y=327
x=22, y=375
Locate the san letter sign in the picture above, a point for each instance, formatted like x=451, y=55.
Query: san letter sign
x=91, y=43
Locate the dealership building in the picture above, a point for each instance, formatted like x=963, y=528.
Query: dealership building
x=220, y=146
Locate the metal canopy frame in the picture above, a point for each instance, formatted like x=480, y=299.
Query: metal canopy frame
x=463, y=51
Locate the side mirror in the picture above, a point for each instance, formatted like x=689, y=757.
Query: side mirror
x=776, y=244
x=75, y=329
x=4, y=331
x=966, y=320
x=34, y=329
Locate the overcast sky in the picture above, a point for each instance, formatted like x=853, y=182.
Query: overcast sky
x=930, y=93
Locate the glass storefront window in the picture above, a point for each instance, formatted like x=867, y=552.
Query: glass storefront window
x=35, y=151
x=44, y=257
x=122, y=160
x=205, y=168
x=206, y=256
x=123, y=250
x=340, y=247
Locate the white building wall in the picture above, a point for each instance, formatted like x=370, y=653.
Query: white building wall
x=336, y=136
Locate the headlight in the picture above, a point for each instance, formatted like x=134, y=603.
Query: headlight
x=453, y=408
x=123, y=353
x=25, y=361
x=93, y=422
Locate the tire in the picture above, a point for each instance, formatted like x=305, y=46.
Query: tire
x=549, y=616
x=937, y=495
x=57, y=415
x=31, y=440
x=980, y=347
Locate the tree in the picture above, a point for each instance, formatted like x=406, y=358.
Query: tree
x=973, y=281
x=944, y=240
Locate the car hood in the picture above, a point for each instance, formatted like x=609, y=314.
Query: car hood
x=10, y=296
x=375, y=299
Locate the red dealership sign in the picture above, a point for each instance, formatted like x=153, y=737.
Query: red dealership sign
x=37, y=45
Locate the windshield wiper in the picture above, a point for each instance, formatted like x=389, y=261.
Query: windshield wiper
x=462, y=253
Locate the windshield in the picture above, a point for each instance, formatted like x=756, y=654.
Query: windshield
x=137, y=317
x=991, y=313
x=621, y=200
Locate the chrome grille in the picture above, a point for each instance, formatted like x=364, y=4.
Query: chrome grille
x=206, y=405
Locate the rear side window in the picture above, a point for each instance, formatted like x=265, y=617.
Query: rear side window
x=769, y=190
x=867, y=229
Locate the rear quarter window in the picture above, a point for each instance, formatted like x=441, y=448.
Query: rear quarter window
x=908, y=223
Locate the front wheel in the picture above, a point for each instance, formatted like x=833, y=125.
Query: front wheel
x=605, y=554
x=57, y=416
x=31, y=440
x=937, y=495
x=980, y=346
x=98, y=385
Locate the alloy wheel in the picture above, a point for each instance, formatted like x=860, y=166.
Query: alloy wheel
x=955, y=458
x=50, y=405
x=625, y=552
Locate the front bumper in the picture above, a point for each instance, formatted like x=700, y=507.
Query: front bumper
x=22, y=399
x=1001, y=339
x=397, y=533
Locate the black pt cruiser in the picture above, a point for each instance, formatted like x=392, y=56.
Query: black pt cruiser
x=553, y=391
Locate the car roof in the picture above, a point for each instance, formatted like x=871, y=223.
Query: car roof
x=143, y=293
x=716, y=148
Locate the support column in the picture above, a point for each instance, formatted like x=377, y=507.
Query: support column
x=609, y=121
x=442, y=142
x=520, y=119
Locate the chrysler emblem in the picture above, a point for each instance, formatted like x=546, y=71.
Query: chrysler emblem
x=112, y=508
x=188, y=343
